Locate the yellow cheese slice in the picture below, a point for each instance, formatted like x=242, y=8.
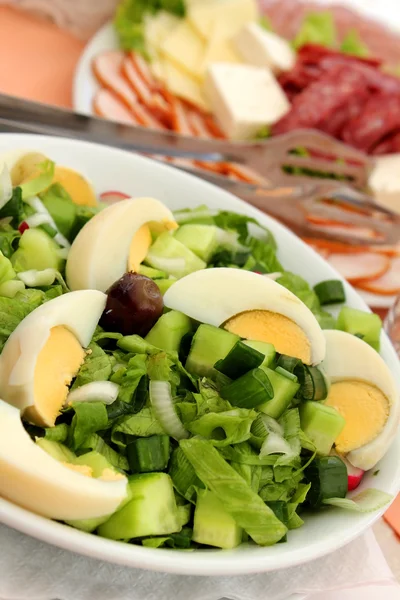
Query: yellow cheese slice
x=219, y=48
x=185, y=48
x=158, y=27
x=232, y=14
x=181, y=84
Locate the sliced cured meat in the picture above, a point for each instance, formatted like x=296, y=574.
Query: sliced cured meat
x=320, y=100
x=107, y=69
x=180, y=120
x=379, y=118
x=145, y=117
x=108, y=106
x=198, y=125
x=361, y=266
x=389, y=145
x=143, y=68
x=386, y=285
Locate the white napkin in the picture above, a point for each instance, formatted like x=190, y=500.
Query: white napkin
x=33, y=570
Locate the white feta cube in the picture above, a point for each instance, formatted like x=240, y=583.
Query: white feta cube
x=263, y=48
x=244, y=99
x=384, y=181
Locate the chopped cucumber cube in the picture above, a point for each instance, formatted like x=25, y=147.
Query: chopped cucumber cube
x=209, y=345
x=328, y=478
x=169, y=330
x=37, y=250
x=322, y=424
x=151, y=510
x=164, y=284
x=96, y=461
x=366, y=325
x=267, y=349
x=148, y=454
x=213, y=526
x=170, y=255
x=152, y=273
x=200, y=239
x=284, y=391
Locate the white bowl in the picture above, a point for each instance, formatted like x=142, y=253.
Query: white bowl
x=323, y=532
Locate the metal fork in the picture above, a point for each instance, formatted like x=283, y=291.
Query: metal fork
x=298, y=201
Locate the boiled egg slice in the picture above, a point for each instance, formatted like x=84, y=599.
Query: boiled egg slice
x=45, y=352
x=23, y=167
x=251, y=306
x=115, y=241
x=35, y=480
x=365, y=393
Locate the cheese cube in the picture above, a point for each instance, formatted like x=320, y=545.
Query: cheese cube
x=263, y=48
x=384, y=181
x=231, y=14
x=244, y=98
x=185, y=48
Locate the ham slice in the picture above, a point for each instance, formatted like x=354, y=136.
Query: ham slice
x=107, y=69
x=108, y=106
x=361, y=266
x=386, y=285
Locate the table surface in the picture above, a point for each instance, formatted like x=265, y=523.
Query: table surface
x=37, y=61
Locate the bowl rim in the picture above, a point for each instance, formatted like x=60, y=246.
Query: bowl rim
x=205, y=562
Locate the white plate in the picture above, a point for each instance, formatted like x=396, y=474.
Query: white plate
x=324, y=532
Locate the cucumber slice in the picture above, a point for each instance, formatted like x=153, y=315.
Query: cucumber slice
x=37, y=250
x=169, y=330
x=152, y=273
x=367, y=326
x=151, y=510
x=164, y=284
x=148, y=454
x=328, y=478
x=213, y=526
x=284, y=391
x=209, y=345
x=170, y=255
x=200, y=239
x=322, y=424
x=267, y=349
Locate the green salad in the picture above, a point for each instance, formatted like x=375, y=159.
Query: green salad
x=178, y=385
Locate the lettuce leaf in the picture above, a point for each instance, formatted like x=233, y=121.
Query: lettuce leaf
x=61, y=207
x=14, y=208
x=317, y=28
x=181, y=540
x=353, y=44
x=13, y=311
x=366, y=501
x=141, y=424
x=224, y=428
x=89, y=418
x=208, y=400
x=58, y=433
x=95, y=442
x=237, y=497
x=130, y=381
x=97, y=367
x=183, y=475
x=300, y=288
x=9, y=238
x=41, y=182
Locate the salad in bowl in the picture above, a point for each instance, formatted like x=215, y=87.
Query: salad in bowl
x=165, y=381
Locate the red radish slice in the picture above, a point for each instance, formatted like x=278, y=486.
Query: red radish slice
x=111, y=197
x=359, y=266
x=354, y=476
x=108, y=106
x=23, y=227
x=388, y=284
x=107, y=69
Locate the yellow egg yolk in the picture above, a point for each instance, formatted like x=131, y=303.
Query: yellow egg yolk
x=76, y=186
x=110, y=475
x=142, y=241
x=266, y=326
x=365, y=409
x=57, y=363
x=82, y=469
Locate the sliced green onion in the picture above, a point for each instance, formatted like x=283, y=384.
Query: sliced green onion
x=250, y=390
x=289, y=363
x=96, y=391
x=162, y=402
x=241, y=359
x=314, y=384
x=330, y=292
x=287, y=374
x=364, y=502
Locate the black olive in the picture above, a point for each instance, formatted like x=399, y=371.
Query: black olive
x=134, y=304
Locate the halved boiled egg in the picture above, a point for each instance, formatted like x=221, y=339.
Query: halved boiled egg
x=115, y=241
x=251, y=306
x=23, y=167
x=45, y=352
x=35, y=480
x=365, y=393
